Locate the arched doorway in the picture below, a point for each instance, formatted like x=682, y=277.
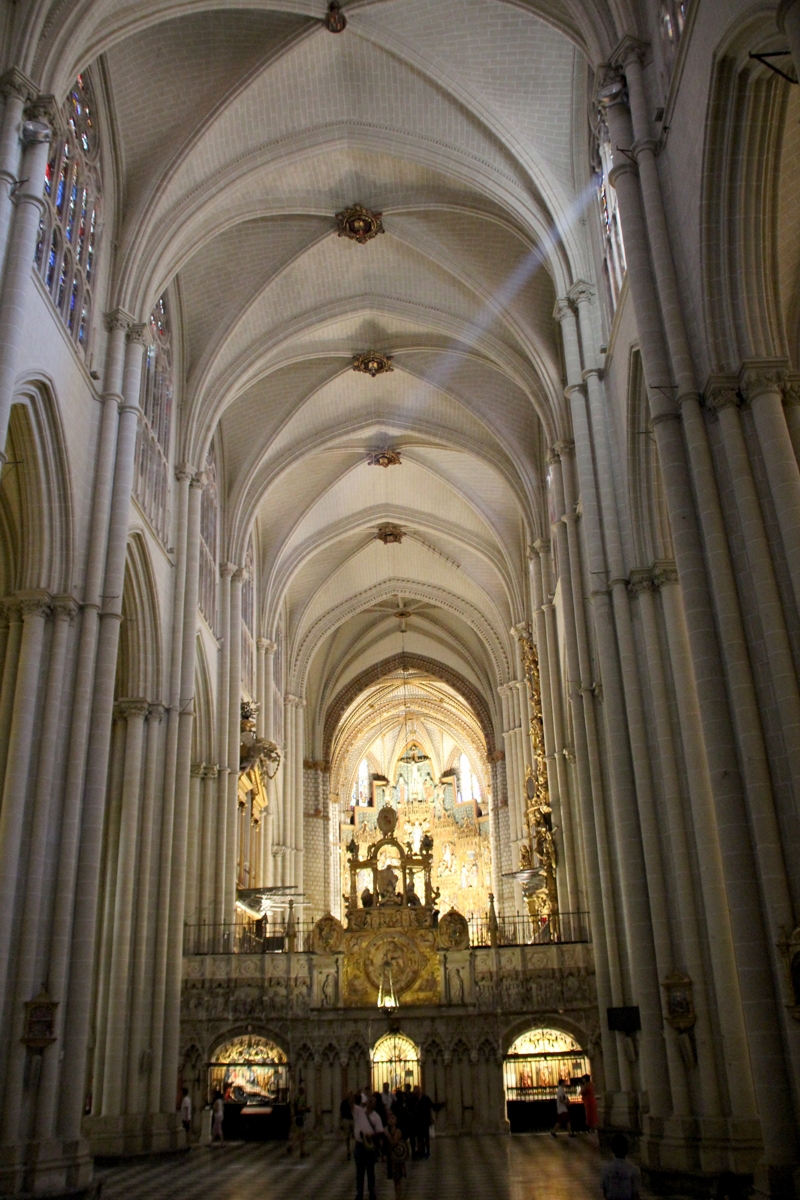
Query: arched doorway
x=395, y=1060
x=535, y=1062
x=252, y=1073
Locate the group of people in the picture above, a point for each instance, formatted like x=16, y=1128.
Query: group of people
x=588, y=1099
x=388, y=1126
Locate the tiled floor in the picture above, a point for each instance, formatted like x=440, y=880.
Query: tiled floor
x=522, y=1167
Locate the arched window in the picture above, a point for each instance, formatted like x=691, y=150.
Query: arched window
x=470, y=784
x=360, y=795
x=151, y=480
x=614, y=266
x=209, y=506
x=671, y=23
x=66, y=253
x=248, y=626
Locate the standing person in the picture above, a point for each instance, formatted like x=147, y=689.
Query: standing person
x=397, y=1153
x=387, y=1098
x=562, y=1110
x=217, y=1117
x=423, y=1119
x=619, y=1179
x=589, y=1102
x=367, y=1129
x=186, y=1112
x=346, y=1120
x=298, y=1131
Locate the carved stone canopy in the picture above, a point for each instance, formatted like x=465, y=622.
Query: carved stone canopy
x=372, y=363
x=384, y=458
x=359, y=224
x=390, y=534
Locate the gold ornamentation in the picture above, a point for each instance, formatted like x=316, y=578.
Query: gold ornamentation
x=372, y=363
x=390, y=535
x=256, y=754
x=384, y=458
x=453, y=931
x=358, y=223
x=328, y=935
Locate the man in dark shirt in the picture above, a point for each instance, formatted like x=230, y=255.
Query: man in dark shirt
x=423, y=1113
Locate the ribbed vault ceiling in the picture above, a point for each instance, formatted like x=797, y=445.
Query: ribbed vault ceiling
x=237, y=132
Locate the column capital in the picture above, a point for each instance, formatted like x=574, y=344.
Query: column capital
x=156, y=713
x=238, y=575
x=563, y=310
x=197, y=481
x=762, y=376
x=641, y=580
x=45, y=108
x=117, y=318
x=184, y=472
x=197, y=770
x=14, y=83
x=65, y=607
x=291, y=700
x=226, y=570
x=721, y=391
x=138, y=334
x=267, y=646
x=664, y=573
x=630, y=49
x=135, y=709
x=34, y=603
x=541, y=546
x=211, y=770
x=564, y=447
x=581, y=292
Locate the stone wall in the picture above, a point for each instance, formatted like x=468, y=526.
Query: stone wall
x=488, y=998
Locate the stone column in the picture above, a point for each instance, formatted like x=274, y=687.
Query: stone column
x=13, y=616
x=18, y=262
x=15, y=89
x=177, y=894
x=78, y=999
x=117, y=324
x=38, y=886
x=139, y=1054
x=33, y=608
x=183, y=475
x=268, y=717
x=642, y=587
x=223, y=740
x=300, y=807
x=194, y=840
x=599, y=882
x=234, y=740
x=754, y=971
x=287, y=806
x=116, y=1030
x=207, y=872
x=762, y=382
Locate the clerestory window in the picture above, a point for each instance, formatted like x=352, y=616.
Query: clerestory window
x=66, y=252
x=151, y=478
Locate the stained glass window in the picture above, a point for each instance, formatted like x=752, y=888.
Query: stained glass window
x=66, y=247
x=151, y=480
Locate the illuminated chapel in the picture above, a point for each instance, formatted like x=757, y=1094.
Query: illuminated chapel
x=400, y=573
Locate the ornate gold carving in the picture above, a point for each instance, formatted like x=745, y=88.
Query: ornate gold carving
x=384, y=458
x=358, y=223
x=372, y=363
x=255, y=753
x=453, y=931
x=390, y=534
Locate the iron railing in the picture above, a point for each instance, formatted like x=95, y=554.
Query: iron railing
x=256, y=937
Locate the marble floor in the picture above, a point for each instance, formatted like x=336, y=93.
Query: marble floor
x=519, y=1167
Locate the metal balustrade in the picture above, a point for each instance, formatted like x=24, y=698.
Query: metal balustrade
x=256, y=937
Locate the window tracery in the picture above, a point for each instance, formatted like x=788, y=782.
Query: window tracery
x=671, y=24
x=209, y=509
x=614, y=265
x=151, y=478
x=66, y=251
